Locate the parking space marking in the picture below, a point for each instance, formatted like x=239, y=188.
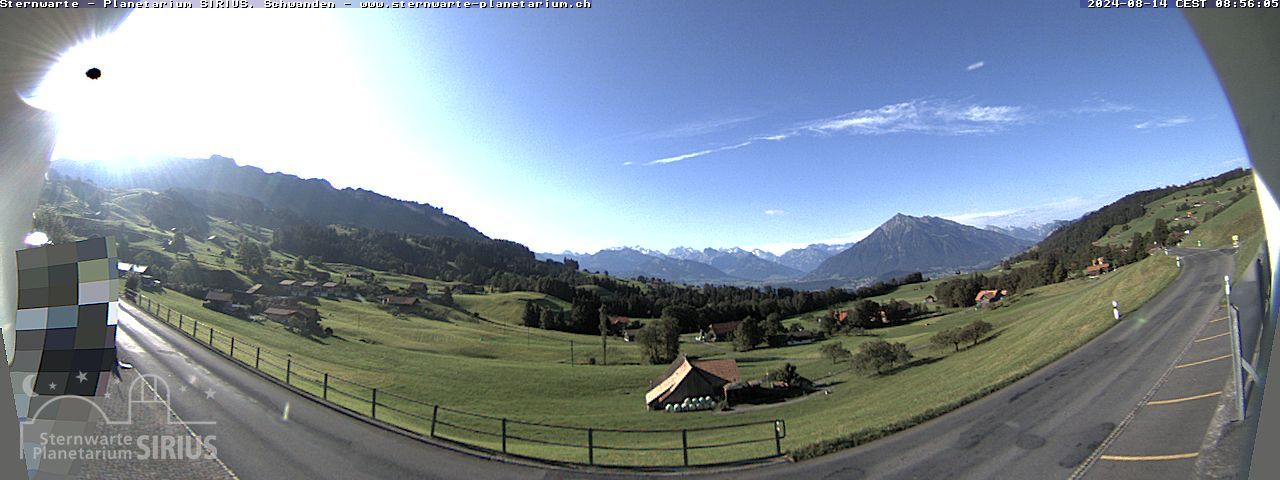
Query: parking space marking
x=1216, y=320
x=1149, y=458
x=1202, y=362
x=1220, y=335
x=1184, y=399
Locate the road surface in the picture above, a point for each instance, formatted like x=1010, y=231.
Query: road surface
x=1048, y=425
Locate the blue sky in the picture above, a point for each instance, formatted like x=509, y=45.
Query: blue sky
x=663, y=124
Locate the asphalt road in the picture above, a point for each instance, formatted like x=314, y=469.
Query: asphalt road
x=1048, y=425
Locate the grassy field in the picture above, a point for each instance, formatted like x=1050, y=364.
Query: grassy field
x=487, y=368
x=1166, y=208
x=478, y=358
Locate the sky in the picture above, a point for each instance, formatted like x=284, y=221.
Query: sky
x=757, y=124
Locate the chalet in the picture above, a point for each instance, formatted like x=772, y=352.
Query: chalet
x=418, y=287
x=293, y=287
x=254, y=289
x=401, y=303
x=617, y=324
x=630, y=334
x=285, y=314
x=467, y=288
x=332, y=290
x=930, y=299
x=366, y=276
x=219, y=301
x=989, y=296
x=1098, y=267
x=687, y=379
x=720, y=331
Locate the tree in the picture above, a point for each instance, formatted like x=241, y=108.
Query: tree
x=446, y=297
x=875, y=356
x=250, y=257
x=787, y=376
x=774, y=332
x=48, y=221
x=835, y=351
x=300, y=264
x=950, y=337
x=748, y=335
x=660, y=341
x=179, y=242
x=531, y=315
x=975, y=331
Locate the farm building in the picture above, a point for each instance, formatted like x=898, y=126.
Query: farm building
x=617, y=324
x=219, y=301
x=720, y=331
x=400, y=303
x=687, y=379
x=283, y=314
x=1099, y=266
x=989, y=296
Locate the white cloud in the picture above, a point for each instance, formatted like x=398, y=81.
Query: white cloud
x=1164, y=122
x=775, y=212
x=691, y=129
x=1101, y=105
x=975, y=66
x=1063, y=209
x=927, y=117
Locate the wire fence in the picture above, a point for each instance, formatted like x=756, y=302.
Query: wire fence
x=607, y=447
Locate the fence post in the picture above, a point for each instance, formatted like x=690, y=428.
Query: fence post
x=571, y=352
x=325, y=394
x=233, y=348
x=257, y=356
x=288, y=370
x=180, y=322
x=373, y=404
x=195, y=328
x=168, y=315
x=777, y=436
x=434, y=412
x=684, y=441
x=211, y=339
x=504, y=435
x=591, y=446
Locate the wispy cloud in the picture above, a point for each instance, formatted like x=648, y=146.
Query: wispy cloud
x=775, y=212
x=1101, y=105
x=690, y=129
x=928, y=117
x=975, y=66
x=1164, y=122
x=1063, y=209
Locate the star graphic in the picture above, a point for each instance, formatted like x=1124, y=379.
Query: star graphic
x=208, y=394
x=53, y=386
x=107, y=395
x=82, y=377
x=182, y=389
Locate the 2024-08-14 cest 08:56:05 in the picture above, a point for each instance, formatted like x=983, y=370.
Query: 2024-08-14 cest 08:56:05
x=1181, y=4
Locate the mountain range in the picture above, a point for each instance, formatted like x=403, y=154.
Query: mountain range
x=315, y=200
x=907, y=244
x=902, y=245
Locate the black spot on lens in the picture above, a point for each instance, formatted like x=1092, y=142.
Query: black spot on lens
x=93, y=73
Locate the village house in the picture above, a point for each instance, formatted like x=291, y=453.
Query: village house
x=617, y=324
x=720, y=331
x=308, y=288
x=417, y=288
x=630, y=334
x=366, y=276
x=467, y=288
x=332, y=290
x=989, y=296
x=401, y=303
x=687, y=379
x=1098, y=267
x=219, y=301
x=285, y=314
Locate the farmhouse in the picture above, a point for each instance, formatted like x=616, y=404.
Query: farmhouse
x=989, y=296
x=630, y=334
x=687, y=379
x=417, y=287
x=720, y=331
x=400, y=303
x=617, y=324
x=283, y=314
x=366, y=276
x=1098, y=267
x=219, y=301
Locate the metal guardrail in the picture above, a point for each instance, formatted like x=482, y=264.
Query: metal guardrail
x=627, y=447
x=1244, y=343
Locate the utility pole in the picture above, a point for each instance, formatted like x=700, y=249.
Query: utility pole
x=604, y=335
